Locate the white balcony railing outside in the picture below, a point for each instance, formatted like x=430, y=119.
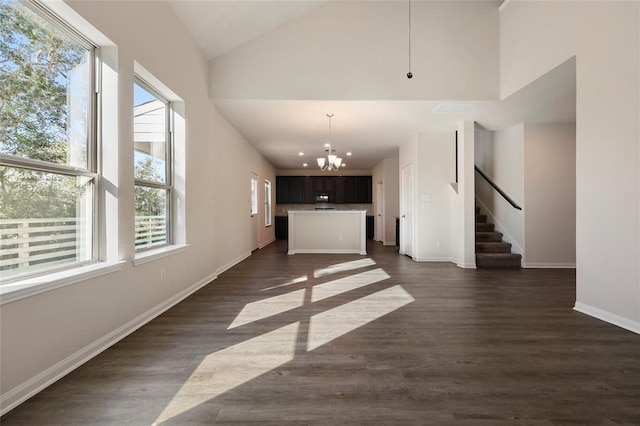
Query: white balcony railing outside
x=27, y=245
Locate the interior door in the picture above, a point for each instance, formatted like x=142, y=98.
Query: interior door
x=379, y=227
x=406, y=212
x=255, y=222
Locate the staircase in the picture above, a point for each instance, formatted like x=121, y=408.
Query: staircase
x=491, y=251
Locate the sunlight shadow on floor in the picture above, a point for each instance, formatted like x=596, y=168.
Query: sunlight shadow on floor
x=329, y=325
x=293, y=281
x=342, y=285
x=266, y=308
x=228, y=368
x=342, y=267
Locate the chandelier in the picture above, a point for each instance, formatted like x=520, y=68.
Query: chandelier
x=332, y=162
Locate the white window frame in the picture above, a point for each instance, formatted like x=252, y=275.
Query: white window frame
x=24, y=281
x=167, y=185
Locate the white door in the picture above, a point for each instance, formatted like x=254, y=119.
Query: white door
x=255, y=229
x=406, y=212
x=379, y=222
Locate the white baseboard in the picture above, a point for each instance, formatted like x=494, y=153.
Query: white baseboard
x=433, y=259
x=550, y=265
x=614, y=319
x=389, y=243
x=232, y=263
x=470, y=265
x=26, y=390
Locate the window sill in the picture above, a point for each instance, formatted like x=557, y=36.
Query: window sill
x=31, y=286
x=155, y=254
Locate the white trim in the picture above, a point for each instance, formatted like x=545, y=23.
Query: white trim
x=232, y=263
x=614, y=319
x=389, y=243
x=327, y=251
x=155, y=254
x=26, y=390
x=465, y=265
x=20, y=289
x=433, y=259
x=267, y=243
x=550, y=265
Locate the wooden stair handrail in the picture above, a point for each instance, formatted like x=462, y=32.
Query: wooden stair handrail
x=497, y=188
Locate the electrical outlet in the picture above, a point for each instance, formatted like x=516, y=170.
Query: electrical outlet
x=163, y=275
x=339, y=237
x=438, y=244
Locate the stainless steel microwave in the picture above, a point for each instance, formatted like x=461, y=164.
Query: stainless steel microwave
x=324, y=197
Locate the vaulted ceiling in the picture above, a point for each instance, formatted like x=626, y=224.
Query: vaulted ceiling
x=278, y=67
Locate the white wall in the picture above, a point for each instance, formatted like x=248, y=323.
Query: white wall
x=378, y=178
x=391, y=191
x=45, y=335
x=435, y=172
x=232, y=195
x=534, y=38
x=359, y=50
x=463, y=200
x=550, y=194
x=500, y=154
x=387, y=173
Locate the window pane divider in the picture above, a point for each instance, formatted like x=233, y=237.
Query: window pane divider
x=44, y=166
x=152, y=184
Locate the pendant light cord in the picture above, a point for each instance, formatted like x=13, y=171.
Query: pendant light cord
x=409, y=74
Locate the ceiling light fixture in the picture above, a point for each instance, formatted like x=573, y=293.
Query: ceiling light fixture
x=332, y=162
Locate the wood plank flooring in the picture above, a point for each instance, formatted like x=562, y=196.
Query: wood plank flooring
x=347, y=339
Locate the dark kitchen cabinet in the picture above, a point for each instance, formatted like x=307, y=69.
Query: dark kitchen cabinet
x=282, y=227
x=364, y=191
x=354, y=190
x=343, y=189
x=326, y=184
x=294, y=190
x=370, y=227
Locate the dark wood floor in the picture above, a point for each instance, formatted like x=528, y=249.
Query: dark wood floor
x=341, y=339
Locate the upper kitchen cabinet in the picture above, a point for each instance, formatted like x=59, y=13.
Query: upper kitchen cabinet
x=343, y=189
x=324, y=183
x=354, y=190
x=294, y=190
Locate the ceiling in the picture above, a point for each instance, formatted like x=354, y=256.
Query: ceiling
x=372, y=130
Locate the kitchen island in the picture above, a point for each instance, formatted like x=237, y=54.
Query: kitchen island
x=327, y=231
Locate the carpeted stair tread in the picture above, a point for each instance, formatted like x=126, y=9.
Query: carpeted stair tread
x=489, y=236
x=485, y=227
x=493, y=247
x=491, y=251
x=498, y=260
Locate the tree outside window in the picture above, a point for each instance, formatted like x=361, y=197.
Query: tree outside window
x=47, y=148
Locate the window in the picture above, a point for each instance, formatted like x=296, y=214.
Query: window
x=152, y=116
x=48, y=167
x=267, y=203
x=254, y=195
